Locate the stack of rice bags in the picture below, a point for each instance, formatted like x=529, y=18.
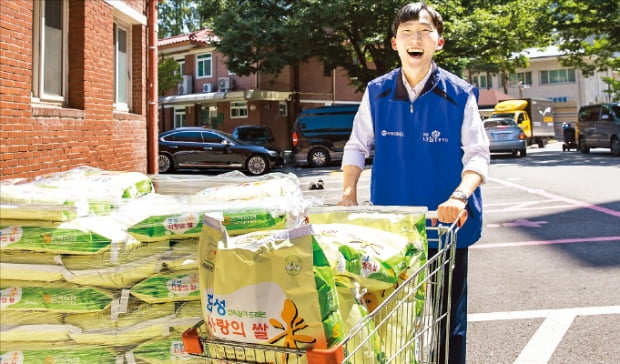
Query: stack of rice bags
x=307, y=286
x=96, y=265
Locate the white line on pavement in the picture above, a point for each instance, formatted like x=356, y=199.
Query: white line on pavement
x=543, y=343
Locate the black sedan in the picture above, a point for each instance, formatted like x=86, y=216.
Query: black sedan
x=197, y=147
x=505, y=136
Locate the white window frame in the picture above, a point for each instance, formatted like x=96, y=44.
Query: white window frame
x=564, y=72
x=39, y=71
x=203, y=58
x=525, y=78
x=238, y=109
x=283, y=108
x=179, y=117
x=119, y=104
x=181, y=63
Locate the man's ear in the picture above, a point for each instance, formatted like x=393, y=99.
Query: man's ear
x=393, y=41
x=440, y=43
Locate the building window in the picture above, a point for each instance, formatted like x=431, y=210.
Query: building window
x=557, y=76
x=239, y=109
x=482, y=81
x=122, y=67
x=181, y=63
x=523, y=78
x=203, y=64
x=179, y=117
x=283, y=106
x=50, y=45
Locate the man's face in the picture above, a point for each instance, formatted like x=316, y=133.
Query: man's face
x=416, y=42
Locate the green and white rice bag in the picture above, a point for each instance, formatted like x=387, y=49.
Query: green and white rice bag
x=51, y=296
x=168, y=350
x=35, y=352
x=132, y=324
x=168, y=287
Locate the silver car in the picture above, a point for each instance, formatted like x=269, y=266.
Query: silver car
x=599, y=127
x=505, y=136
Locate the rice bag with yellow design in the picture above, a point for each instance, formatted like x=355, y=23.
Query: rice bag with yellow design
x=272, y=288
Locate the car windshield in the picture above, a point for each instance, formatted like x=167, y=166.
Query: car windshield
x=616, y=110
x=499, y=123
x=232, y=138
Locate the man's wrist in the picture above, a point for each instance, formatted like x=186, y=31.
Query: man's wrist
x=459, y=195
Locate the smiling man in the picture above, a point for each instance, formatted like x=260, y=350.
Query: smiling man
x=430, y=146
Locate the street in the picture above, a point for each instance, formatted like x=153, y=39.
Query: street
x=543, y=280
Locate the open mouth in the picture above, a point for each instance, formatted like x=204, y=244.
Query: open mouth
x=415, y=52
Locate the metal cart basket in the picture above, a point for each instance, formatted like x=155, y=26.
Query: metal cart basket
x=415, y=339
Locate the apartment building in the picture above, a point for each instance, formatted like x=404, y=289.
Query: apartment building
x=76, y=81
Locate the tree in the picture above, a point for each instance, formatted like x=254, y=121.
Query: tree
x=177, y=17
x=266, y=35
x=589, y=32
x=168, y=75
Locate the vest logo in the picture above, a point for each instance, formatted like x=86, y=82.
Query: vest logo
x=392, y=133
x=434, y=137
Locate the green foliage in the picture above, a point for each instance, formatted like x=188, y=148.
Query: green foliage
x=613, y=88
x=176, y=17
x=589, y=31
x=481, y=35
x=168, y=75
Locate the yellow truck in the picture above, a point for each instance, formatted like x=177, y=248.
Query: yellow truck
x=534, y=116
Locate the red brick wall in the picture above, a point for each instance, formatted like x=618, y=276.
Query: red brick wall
x=36, y=139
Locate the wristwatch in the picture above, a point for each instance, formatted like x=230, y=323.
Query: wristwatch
x=459, y=195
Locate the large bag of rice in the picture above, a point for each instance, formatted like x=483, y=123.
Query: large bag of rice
x=268, y=287
x=404, y=311
x=101, y=190
x=37, y=352
x=136, y=323
x=86, y=235
x=168, y=287
x=23, y=296
x=168, y=350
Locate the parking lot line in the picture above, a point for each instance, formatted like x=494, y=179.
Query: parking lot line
x=543, y=343
x=594, y=239
x=557, y=197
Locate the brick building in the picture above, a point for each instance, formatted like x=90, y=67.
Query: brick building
x=210, y=95
x=76, y=86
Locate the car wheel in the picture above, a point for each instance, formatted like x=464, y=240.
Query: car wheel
x=257, y=165
x=522, y=152
x=615, y=147
x=165, y=163
x=318, y=157
x=583, y=148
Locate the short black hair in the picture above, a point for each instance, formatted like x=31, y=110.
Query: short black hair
x=412, y=11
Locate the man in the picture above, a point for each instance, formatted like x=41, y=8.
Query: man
x=430, y=146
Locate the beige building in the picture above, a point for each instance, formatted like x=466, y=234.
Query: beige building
x=546, y=78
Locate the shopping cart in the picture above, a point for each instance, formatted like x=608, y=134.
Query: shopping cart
x=406, y=336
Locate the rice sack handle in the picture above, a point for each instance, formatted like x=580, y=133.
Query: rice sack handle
x=267, y=288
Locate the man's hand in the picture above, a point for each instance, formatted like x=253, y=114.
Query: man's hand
x=347, y=201
x=449, y=211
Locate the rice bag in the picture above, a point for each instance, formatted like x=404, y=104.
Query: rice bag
x=168, y=287
x=51, y=296
x=268, y=287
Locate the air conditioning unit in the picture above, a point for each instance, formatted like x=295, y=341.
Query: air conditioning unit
x=224, y=84
x=186, y=86
x=207, y=87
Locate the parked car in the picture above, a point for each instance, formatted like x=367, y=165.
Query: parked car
x=254, y=134
x=319, y=134
x=505, y=136
x=196, y=147
x=599, y=127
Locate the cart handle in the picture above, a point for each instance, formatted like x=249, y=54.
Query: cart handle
x=459, y=221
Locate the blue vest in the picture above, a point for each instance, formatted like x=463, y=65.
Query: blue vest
x=418, y=145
